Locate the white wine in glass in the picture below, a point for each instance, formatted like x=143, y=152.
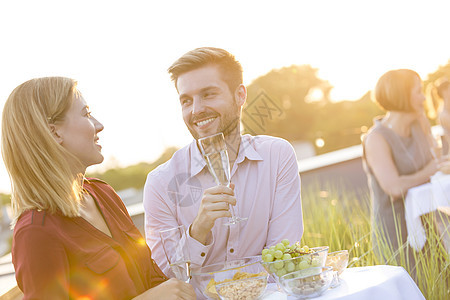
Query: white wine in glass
x=214, y=150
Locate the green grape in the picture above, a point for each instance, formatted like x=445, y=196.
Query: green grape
x=272, y=248
x=306, y=248
x=289, y=266
x=286, y=256
x=281, y=272
x=285, y=242
x=267, y=258
x=272, y=268
x=278, y=265
x=265, y=251
x=315, y=262
x=278, y=254
x=280, y=247
x=303, y=265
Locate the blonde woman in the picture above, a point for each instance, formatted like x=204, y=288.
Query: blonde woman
x=397, y=153
x=73, y=237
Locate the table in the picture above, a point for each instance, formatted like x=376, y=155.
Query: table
x=375, y=282
x=427, y=198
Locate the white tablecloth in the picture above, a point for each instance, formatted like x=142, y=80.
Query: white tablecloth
x=376, y=282
x=424, y=199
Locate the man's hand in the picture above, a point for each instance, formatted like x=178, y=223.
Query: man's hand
x=215, y=205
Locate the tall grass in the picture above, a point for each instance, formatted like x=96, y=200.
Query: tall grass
x=341, y=220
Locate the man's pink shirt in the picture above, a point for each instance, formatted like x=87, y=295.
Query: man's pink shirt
x=267, y=190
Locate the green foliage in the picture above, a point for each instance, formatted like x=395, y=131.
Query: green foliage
x=341, y=221
x=290, y=110
x=132, y=176
x=341, y=124
x=5, y=199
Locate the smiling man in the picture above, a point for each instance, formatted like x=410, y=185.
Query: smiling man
x=264, y=173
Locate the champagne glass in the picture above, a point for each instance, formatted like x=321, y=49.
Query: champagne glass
x=214, y=150
x=176, y=248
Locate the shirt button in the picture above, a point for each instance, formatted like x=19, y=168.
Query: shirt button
x=202, y=254
x=231, y=250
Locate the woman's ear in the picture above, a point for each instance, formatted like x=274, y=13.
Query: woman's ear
x=55, y=134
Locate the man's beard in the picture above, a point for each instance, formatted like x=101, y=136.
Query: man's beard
x=232, y=121
x=227, y=129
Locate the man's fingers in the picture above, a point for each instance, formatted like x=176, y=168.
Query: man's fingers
x=217, y=206
x=210, y=198
x=219, y=189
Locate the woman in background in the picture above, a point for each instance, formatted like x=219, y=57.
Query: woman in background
x=397, y=155
x=440, y=94
x=73, y=237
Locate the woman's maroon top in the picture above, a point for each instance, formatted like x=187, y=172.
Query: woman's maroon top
x=57, y=257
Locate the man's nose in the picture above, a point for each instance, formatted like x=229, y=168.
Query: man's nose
x=198, y=106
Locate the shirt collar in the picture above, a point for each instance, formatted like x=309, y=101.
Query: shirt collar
x=198, y=163
x=246, y=150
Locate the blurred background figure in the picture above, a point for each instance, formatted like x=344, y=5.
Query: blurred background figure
x=398, y=155
x=439, y=94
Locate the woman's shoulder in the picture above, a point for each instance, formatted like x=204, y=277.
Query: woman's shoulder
x=97, y=184
x=38, y=220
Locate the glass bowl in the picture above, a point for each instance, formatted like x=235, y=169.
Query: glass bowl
x=282, y=267
x=307, y=283
x=338, y=260
x=247, y=288
x=245, y=274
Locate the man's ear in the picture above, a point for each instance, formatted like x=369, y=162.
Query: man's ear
x=55, y=134
x=240, y=95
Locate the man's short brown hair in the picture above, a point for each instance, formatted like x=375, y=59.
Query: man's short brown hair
x=230, y=69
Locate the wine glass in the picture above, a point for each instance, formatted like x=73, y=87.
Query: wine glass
x=176, y=248
x=214, y=149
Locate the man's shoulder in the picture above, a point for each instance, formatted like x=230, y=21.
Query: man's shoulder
x=267, y=142
x=178, y=160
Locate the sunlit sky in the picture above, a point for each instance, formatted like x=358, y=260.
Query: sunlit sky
x=119, y=51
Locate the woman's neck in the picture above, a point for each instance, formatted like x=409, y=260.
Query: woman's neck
x=400, y=122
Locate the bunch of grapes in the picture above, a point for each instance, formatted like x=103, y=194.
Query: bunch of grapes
x=284, y=258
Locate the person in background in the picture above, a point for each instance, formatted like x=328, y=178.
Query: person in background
x=440, y=94
x=73, y=237
x=397, y=155
x=264, y=173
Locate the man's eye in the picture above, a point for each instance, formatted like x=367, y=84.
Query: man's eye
x=209, y=95
x=186, y=101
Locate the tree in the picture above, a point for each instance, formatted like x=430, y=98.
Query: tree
x=278, y=103
x=293, y=103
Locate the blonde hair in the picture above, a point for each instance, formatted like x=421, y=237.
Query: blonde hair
x=393, y=90
x=435, y=95
x=37, y=164
x=230, y=68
